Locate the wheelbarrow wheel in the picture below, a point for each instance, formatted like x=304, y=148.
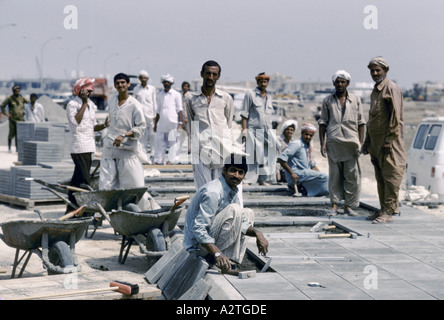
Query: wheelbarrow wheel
x=155, y=240
x=60, y=255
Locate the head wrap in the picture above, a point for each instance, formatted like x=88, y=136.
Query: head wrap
x=309, y=127
x=83, y=83
x=167, y=77
x=262, y=76
x=379, y=61
x=143, y=73
x=288, y=123
x=341, y=74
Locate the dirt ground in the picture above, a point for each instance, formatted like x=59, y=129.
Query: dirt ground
x=101, y=252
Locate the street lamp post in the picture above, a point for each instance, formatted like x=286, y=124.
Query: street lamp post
x=41, y=59
x=77, y=60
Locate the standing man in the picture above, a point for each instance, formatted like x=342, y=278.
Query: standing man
x=81, y=114
x=34, y=111
x=300, y=168
x=120, y=167
x=146, y=95
x=216, y=224
x=257, y=131
x=169, y=119
x=16, y=112
x=341, y=134
x=384, y=140
x=185, y=94
x=210, y=113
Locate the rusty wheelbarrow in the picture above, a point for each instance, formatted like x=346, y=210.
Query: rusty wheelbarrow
x=56, y=238
x=153, y=225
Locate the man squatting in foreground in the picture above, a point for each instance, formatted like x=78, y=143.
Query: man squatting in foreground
x=216, y=224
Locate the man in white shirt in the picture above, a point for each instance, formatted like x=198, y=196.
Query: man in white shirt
x=34, y=111
x=120, y=166
x=210, y=116
x=146, y=95
x=81, y=114
x=169, y=119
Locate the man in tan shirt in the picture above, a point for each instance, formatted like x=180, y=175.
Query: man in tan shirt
x=385, y=139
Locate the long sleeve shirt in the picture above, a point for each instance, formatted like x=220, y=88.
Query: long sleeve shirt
x=16, y=106
x=342, y=126
x=257, y=109
x=386, y=121
x=208, y=201
x=34, y=113
x=128, y=117
x=82, y=134
x=148, y=98
x=168, y=107
x=210, y=127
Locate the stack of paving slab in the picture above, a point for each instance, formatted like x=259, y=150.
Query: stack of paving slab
x=55, y=134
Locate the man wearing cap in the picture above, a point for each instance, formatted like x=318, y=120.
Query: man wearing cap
x=81, y=115
x=216, y=224
x=300, y=168
x=16, y=112
x=120, y=164
x=169, y=119
x=146, y=94
x=341, y=134
x=384, y=140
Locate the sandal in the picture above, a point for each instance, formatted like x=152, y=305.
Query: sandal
x=351, y=213
x=384, y=218
x=373, y=216
x=332, y=212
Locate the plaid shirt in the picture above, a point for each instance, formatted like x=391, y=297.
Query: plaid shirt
x=82, y=134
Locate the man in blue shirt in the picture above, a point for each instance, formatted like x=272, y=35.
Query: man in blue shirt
x=216, y=224
x=300, y=167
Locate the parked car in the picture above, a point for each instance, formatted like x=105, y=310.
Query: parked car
x=425, y=158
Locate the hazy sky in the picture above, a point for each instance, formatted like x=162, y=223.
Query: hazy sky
x=307, y=39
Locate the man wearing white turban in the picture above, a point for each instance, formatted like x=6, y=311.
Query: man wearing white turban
x=300, y=168
x=169, y=119
x=146, y=94
x=384, y=140
x=341, y=134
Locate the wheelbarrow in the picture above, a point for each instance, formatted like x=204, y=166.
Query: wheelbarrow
x=56, y=238
x=154, y=225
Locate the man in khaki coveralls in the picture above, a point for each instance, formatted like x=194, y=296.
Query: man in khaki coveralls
x=385, y=139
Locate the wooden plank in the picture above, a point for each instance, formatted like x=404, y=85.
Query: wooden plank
x=25, y=288
x=25, y=202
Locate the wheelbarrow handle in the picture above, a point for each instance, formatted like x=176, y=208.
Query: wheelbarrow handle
x=178, y=201
x=77, y=213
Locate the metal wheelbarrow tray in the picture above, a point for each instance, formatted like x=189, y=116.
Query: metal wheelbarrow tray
x=56, y=238
x=154, y=225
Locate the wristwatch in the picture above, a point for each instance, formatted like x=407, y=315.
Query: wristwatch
x=123, y=136
x=217, y=254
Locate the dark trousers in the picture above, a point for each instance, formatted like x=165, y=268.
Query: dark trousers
x=81, y=175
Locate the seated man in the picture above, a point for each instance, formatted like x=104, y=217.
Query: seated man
x=300, y=167
x=215, y=223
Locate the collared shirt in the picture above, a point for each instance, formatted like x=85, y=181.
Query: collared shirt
x=296, y=155
x=34, y=113
x=386, y=120
x=208, y=201
x=168, y=107
x=210, y=127
x=82, y=134
x=128, y=117
x=342, y=124
x=16, y=106
x=147, y=97
x=257, y=109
